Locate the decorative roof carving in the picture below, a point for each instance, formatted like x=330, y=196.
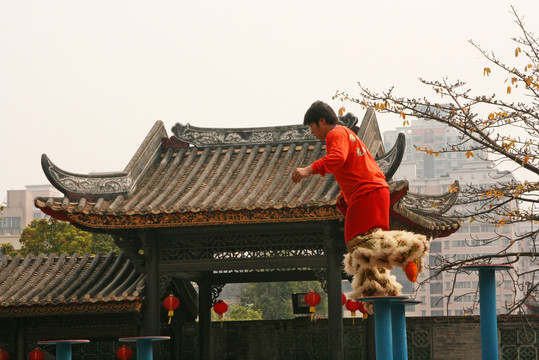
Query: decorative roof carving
x=200, y=137
x=437, y=204
x=106, y=184
x=389, y=163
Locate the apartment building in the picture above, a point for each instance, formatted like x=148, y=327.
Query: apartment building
x=19, y=211
x=433, y=175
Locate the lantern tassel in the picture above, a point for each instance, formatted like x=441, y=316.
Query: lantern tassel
x=170, y=315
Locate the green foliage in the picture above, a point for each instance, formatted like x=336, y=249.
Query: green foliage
x=275, y=299
x=239, y=312
x=8, y=249
x=49, y=236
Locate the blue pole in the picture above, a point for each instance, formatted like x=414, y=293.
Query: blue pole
x=144, y=349
x=63, y=351
x=489, y=322
x=398, y=329
x=382, y=330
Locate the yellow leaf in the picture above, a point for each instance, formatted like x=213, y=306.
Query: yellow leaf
x=526, y=159
x=469, y=154
x=491, y=116
x=341, y=111
x=405, y=122
x=517, y=51
x=403, y=115
x=509, y=89
x=486, y=71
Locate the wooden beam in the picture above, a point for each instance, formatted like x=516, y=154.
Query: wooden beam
x=290, y=262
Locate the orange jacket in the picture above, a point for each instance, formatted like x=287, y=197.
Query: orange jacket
x=353, y=166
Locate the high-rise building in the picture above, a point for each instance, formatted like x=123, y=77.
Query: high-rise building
x=19, y=211
x=433, y=175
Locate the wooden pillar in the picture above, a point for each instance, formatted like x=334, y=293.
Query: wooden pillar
x=371, y=340
x=21, y=334
x=204, y=317
x=152, y=303
x=176, y=336
x=334, y=260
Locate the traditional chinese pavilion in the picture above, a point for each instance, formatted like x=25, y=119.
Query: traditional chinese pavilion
x=218, y=206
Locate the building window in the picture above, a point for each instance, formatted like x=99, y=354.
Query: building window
x=10, y=222
x=435, y=247
x=437, y=313
x=436, y=288
x=436, y=302
x=463, y=298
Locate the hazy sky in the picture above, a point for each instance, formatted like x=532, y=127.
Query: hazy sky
x=84, y=82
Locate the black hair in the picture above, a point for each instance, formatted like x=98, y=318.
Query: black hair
x=319, y=110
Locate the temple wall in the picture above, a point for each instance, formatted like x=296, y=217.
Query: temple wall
x=436, y=338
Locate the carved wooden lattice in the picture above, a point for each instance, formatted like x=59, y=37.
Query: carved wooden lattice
x=519, y=344
x=419, y=344
x=242, y=246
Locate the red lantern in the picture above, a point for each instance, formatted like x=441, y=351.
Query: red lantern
x=124, y=352
x=4, y=355
x=220, y=308
x=352, y=306
x=363, y=311
x=37, y=354
x=312, y=299
x=171, y=303
x=343, y=299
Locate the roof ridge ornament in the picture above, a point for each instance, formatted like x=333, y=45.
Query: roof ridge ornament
x=199, y=136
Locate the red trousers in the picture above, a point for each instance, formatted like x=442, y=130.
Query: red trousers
x=368, y=212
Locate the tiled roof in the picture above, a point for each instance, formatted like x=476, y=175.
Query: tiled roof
x=176, y=180
x=214, y=175
x=64, y=279
x=424, y=211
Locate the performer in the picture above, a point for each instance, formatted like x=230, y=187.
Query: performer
x=364, y=200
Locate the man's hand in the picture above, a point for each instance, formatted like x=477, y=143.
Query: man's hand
x=301, y=173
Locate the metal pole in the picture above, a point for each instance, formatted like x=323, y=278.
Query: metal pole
x=398, y=328
x=144, y=349
x=63, y=351
x=383, y=332
x=489, y=322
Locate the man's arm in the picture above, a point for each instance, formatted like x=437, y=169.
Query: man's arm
x=301, y=173
x=337, y=145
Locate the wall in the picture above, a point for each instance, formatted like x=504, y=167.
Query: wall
x=436, y=338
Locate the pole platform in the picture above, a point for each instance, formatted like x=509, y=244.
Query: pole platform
x=487, y=307
x=63, y=347
x=382, y=324
x=144, y=345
